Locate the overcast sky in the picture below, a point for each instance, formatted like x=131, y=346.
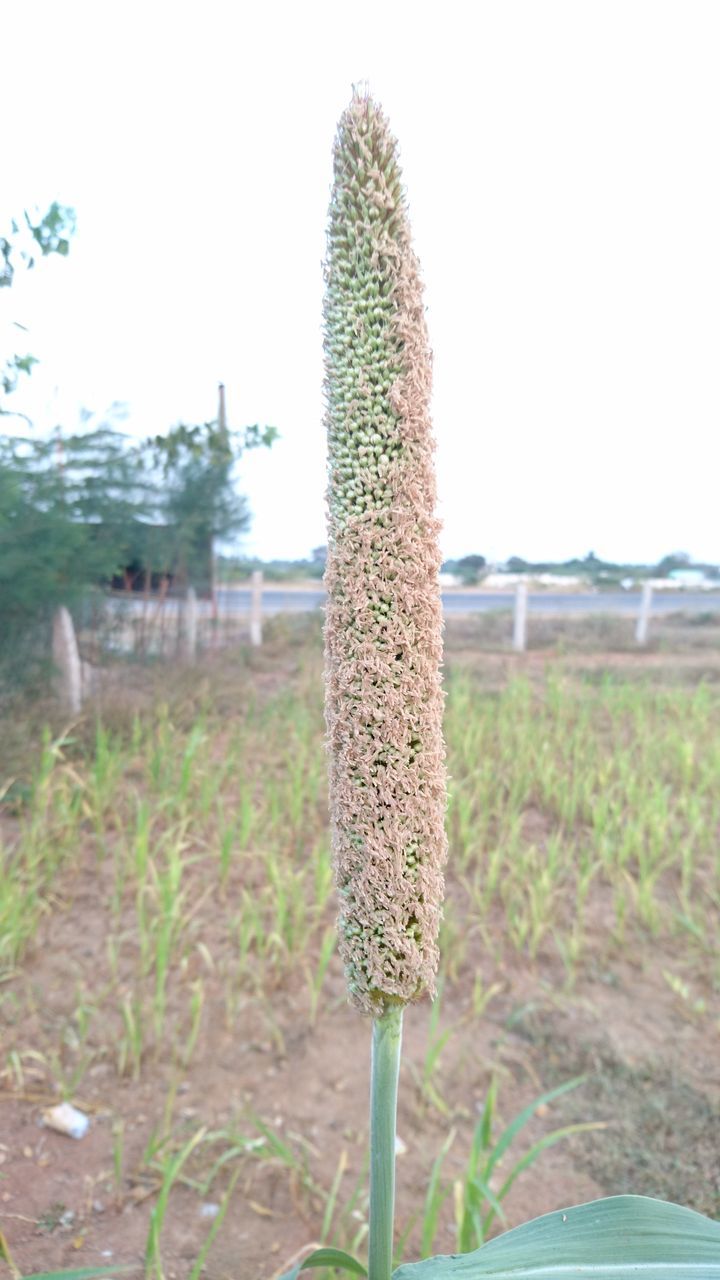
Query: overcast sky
x=561, y=161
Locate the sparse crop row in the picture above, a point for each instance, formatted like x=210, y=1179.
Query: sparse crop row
x=583, y=817
x=564, y=799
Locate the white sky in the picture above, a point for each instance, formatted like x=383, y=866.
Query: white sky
x=562, y=166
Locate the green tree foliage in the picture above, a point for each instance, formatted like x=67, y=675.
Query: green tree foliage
x=470, y=568
x=201, y=501
x=672, y=562
x=28, y=240
x=516, y=564
x=39, y=547
x=77, y=510
x=50, y=234
x=72, y=511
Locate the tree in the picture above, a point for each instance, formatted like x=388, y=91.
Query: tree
x=469, y=568
x=77, y=510
x=27, y=240
x=516, y=564
x=676, y=560
x=201, y=502
x=39, y=545
x=71, y=513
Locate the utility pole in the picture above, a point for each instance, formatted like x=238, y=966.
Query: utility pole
x=222, y=424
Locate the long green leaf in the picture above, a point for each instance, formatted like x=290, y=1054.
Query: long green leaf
x=621, y=1238
x=435, y=1198
x=488, y=1194
x=521, y=1119
x=216, y=1225
x=83, y=1273
x=327, y=1258
x=542, y=1144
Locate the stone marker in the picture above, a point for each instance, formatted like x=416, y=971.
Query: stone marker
x=520, y=618
x=66, y=661
x=643, y=622
x=256, y=608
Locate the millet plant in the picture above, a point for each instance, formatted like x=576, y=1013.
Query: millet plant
x=383, y=711
x=383, y=629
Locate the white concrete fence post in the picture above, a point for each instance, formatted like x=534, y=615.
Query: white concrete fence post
x=190, y=625
x=256, y=607
x=66, y=661
x=519, y=642
x=643, y=622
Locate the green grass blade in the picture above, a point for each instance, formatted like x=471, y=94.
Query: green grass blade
x=327, y=1258
x=521, y=1119
x=82, y=1273
x=542, y=1144
x=435, y=1197
x=217, y=1223
x=486, y=1120
x=496, y=1209
x=157, y=1217
x=332, y=1198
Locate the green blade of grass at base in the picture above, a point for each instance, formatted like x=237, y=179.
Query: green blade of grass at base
x=327, y=1258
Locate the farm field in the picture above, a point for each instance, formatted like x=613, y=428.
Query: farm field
x=168, y=962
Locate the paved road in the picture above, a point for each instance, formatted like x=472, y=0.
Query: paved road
x=279, y=600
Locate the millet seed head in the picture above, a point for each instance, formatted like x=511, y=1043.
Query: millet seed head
x=383, y=632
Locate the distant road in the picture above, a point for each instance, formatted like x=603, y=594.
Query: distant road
x=277, y=599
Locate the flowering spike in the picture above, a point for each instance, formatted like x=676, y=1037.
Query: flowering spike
x=383, y=632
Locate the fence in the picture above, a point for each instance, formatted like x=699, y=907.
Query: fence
x=147, y=626
x=154, y=627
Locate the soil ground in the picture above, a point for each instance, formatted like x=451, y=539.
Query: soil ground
x=650, y=1056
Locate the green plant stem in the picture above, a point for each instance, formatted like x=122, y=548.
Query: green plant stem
x=386, y=1043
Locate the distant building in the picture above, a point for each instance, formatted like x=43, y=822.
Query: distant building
x=691, y=578
x=557, y=581
x=151, y=563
